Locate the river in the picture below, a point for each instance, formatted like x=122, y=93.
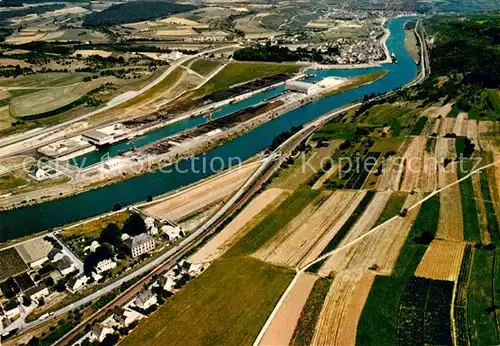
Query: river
x=35, y=218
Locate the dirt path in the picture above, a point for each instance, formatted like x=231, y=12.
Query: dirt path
x=195, y=199
x=235, y=229
x=281, y=329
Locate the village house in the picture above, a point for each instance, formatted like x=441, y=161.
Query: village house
x=104, y=266
x=125, y=317
x=77, y=282
x=65, y=266
x=167, y=283
x=140, y=244
x=11, y=309
x=55, y=255
x=37, y=292
x=145, y=300
x=190, y=268
x=100, y=331
x=173, y=233
x=151, y=226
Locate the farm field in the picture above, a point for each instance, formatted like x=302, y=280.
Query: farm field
x=379, y=320
x=482, y=325
x=378, y=251
x=294, y=243
x=472, y=231
x=251, y=215
x=273, y=223
x=204, y=67
x=240, y=72
x=419, y=171
x=194, y=199
x=11, y=263
x=341, y=310
x=47, y=100
x=230, y=302
x=304, y=329
x=424, y=313
x=281, y=330
x=450, y=214
x=441, y=261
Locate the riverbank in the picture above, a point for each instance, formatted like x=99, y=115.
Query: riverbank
x=197, y=146
x=18, y=222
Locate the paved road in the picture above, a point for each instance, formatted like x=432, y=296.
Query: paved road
x=38, y=134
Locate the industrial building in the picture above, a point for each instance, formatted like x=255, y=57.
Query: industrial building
x=302, y=87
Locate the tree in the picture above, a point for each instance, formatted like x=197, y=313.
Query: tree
x=110, y=234
x=26, y=301
x=134, y=225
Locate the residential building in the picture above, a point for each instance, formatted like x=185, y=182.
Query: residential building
x=125, y=317
x=140, y=244
x=65, y=266
x=104, y=266
x=100, y=331
x=11, y=309
x=37, y=292
x=145, y=300
x=77, y=282
x=167, y=282
x=55, y=255
x=190, y=268
x=173, y=233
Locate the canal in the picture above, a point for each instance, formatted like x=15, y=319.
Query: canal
x=27, y=220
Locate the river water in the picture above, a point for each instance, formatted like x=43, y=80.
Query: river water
x=27, y=220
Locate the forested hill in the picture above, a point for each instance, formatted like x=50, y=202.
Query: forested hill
x=465, y=64
x=134, y=12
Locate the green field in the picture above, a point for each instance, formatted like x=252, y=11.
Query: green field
x=387, y=113
x=491, y=216
x=424, y=315
x=337, y=131
x=226, y=305
x=304, y=331
x=273, y=223
x=392, y=208
x=240, y=72
x=378, y=322
x=419, y=126
x=472, y=231
x=482, y=324
x=204, y=67
x=156, y=90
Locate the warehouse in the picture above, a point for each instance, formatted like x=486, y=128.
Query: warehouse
x=302, y=87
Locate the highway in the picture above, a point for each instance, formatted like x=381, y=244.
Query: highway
x=35, y=138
